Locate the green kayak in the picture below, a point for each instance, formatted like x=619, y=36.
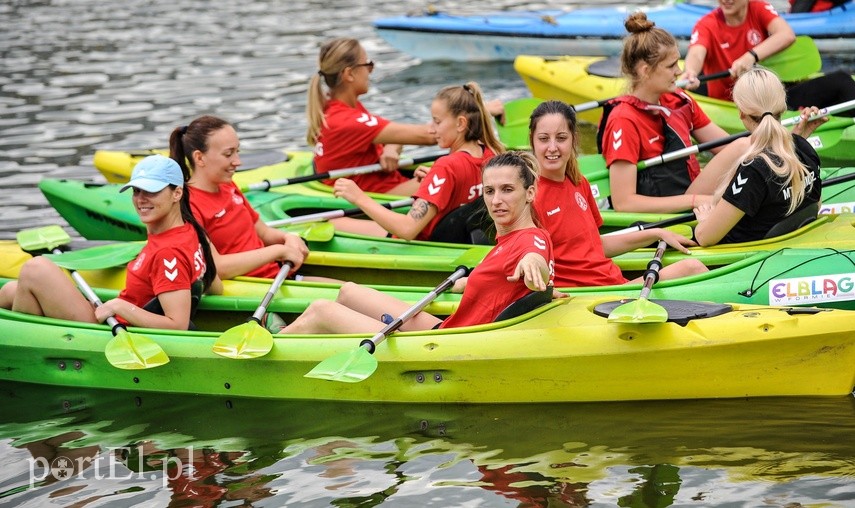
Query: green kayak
x=564, y=351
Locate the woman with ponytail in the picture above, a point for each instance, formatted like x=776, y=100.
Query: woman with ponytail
x=776, y=176
x=345, y=134
x=207, y=150
x=174, y=262
x=460, y=123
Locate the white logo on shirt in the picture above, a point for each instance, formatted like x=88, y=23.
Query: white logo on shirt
x=653, y=139
x=553, y=212
x=138, y=262
x=540, y=243
x=754, y=37
x=220, y=213
x=435, y=185
x=724, y=45
x=740, y=181
x=617, y=141
x=694, y=38
x=367, y=119
x=171, y=271
x=581, y=201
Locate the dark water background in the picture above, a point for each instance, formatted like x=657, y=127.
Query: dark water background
x=78, y=75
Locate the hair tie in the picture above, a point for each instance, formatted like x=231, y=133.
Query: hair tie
x=767, y=113
x=467, y=88
x=321, y=74
x=183, y=130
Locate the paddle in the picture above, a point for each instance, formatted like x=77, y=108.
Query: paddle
x=250, y=339
x=336, y=173
x=126, y=350
x=690, y=150
x=357, y=365
x=643, y=310
x=795, y=63
x=334, y=214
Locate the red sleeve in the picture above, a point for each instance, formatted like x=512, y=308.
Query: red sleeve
x=764, y=11
x=438, y=186
x=699, y=118
x=702, y=34
x=620, y=139
x=170, y=270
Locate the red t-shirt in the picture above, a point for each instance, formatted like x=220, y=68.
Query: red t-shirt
x=634, y=129
x=346, y=141
x=725, y=43
x=569, y=212
x=454, y=180
x=229, y=220
x=488, y=291
x=169, y=261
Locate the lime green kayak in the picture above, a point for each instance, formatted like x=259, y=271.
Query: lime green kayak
x=564, y=351
x=567, y=79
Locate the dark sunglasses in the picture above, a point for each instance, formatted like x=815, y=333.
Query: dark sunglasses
x=369, y=64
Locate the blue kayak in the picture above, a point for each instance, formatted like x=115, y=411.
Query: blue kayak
x=595, y=31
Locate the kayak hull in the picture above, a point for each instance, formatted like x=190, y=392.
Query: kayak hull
x=589, y=31
x=560, y=352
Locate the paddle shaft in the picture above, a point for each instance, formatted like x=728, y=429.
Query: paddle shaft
x=371, y=344
x=271, y=292
x=334, y=214
x=651, y=275
x=586, y=106
x=336, y=173
x=691, y=150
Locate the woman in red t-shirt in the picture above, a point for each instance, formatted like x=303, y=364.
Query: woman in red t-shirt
x=654, y=118
x=522, y=259
x=207, y=150
x=175, y=256
x=568, y=209
x=345, y=134
x=461, y=123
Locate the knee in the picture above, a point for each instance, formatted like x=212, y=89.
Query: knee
x=692, y=267
x=7, y=294
x=37, y=270
x=349, y=292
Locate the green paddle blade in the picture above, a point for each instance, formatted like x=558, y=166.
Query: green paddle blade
x=348, y=367
x=514, y=134
x=246, y=340
x=472, y=256
x=131, y=351
x=313, y=231
x=797, y=62
x=43, y=238
x=641, y=310
x=98, y=258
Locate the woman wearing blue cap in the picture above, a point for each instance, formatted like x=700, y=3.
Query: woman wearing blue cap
x=175, y=257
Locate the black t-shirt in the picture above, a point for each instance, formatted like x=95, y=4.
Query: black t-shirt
x=760, y=193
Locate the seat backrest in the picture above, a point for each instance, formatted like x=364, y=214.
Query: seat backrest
x=469, y=223
x=196, y=290
x=527, y=303
x=794, y=221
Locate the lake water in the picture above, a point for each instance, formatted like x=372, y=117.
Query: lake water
x=78, y=75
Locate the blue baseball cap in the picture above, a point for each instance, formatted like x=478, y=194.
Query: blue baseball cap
x=154, y=173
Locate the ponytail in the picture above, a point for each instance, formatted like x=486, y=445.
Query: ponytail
x=334, y=57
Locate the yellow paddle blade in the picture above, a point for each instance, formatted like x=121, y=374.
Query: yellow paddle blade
x=639, y=311
x=131, y=351
x=348, y=367
x=42, y=238
x=246, y=340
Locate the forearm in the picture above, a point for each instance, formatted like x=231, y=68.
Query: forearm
x=615, y=245
x=400, y=225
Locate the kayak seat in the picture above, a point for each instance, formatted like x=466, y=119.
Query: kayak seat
x=196, y=291
x=526, y=304
x=794, y=221
x=606, y=68
x=679, y=311
x=469, y=224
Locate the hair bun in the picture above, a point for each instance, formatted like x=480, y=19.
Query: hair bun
x=637, y=22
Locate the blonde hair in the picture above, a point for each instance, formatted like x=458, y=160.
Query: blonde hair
x=334, y=57
x=760, y=95
x=468, y=101
x=645, y=43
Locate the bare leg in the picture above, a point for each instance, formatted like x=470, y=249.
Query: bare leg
x=44, y=289
x=374, y=304
x=7, y=294
x=720, y=169
x=325, y=316
x=407, y=188
x=359, y=226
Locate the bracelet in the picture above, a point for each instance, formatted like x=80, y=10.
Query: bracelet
x=754, y=54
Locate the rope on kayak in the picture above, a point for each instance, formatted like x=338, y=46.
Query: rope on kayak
x=752, y=289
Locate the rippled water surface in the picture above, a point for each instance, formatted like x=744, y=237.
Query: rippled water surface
x=79, y=75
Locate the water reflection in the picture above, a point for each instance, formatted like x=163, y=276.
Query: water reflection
x=320, y=453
